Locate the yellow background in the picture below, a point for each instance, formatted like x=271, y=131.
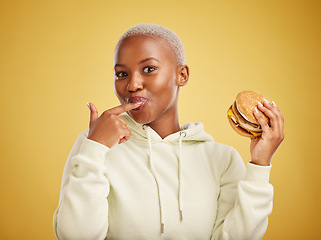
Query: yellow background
x=57, y=55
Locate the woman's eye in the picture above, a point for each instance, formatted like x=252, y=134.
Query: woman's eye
x=121, y=74
x=148, y=69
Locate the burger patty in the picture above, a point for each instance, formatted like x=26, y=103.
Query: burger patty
x=240, y=117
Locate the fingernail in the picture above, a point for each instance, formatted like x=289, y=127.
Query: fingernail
x=260, y=104
x=88, y=105
x=266, y=101
x=273, y=103
x=138, y=103
x=255, y=109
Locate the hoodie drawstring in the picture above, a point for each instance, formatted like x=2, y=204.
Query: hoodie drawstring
x=180, y=183
x=155, y=175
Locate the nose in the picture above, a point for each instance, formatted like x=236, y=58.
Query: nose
x=135, y=83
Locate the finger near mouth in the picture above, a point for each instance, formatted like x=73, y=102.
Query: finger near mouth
x=140, y=107
x=143, y=101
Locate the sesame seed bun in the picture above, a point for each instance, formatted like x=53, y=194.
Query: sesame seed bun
x=246, y=101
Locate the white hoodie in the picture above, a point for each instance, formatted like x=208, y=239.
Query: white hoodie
x=185, y=186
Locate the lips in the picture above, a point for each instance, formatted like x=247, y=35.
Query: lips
x=137, y=99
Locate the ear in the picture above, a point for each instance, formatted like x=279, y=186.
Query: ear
x=183, y=75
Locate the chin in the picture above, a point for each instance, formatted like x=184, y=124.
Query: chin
x=140, y=117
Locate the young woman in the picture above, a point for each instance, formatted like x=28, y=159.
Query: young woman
x=137, y=174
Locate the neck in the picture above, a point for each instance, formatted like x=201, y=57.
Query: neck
x=166, y=125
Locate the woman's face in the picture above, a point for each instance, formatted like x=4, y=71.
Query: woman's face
x=146, y=71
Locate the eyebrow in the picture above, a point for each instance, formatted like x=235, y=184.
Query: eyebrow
x=147, y=59
x=144, y=60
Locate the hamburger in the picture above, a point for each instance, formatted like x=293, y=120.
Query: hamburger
x=241, y=114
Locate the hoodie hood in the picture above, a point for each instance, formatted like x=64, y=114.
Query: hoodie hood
x=193, y=132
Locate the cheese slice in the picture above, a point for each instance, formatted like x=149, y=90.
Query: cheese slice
x=255, y=133
x=233, y=117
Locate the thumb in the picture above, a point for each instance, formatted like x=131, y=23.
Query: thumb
x=93, y=113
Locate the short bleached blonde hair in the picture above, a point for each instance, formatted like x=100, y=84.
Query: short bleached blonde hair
x=155, y=30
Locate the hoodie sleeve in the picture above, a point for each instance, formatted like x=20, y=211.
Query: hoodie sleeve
x=245, y=201
x=82, y=212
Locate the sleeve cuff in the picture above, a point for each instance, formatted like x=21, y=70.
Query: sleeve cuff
x=93, y=150
x=258, y=174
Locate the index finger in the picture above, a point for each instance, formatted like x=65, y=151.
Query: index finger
x=123, y=108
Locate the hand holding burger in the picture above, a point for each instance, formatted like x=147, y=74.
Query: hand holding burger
x=252, y=115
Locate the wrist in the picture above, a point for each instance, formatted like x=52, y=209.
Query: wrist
x=261, y=162
x=100, y=141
